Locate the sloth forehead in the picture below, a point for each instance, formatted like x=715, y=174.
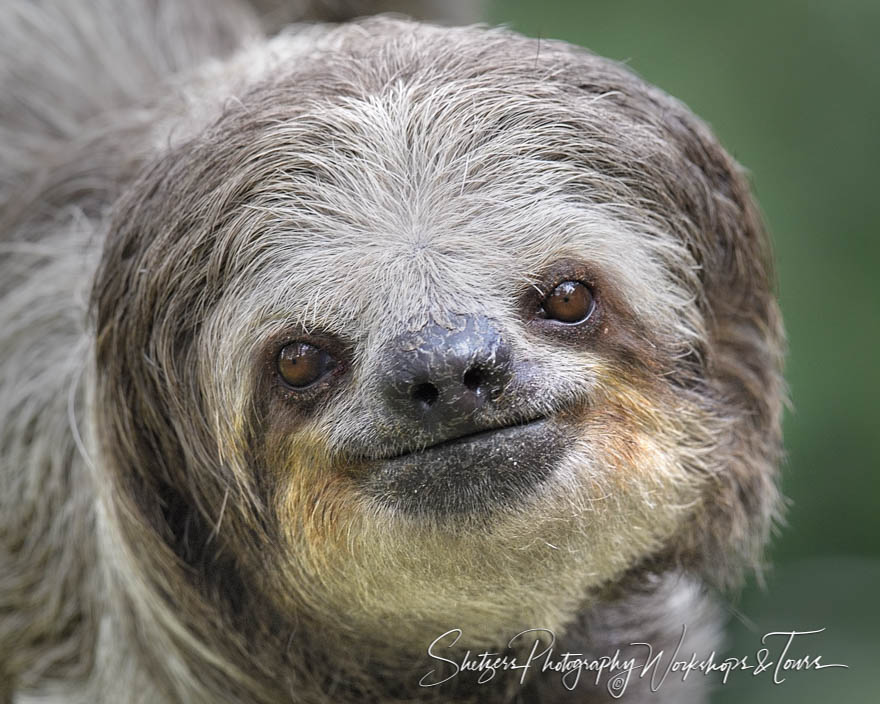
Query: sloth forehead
x=395, y=267
x=372, y=197
x=387, y=172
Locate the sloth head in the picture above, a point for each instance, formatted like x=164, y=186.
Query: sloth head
x=432, y=328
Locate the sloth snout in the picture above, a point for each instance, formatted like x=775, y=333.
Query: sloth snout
x=439, y=377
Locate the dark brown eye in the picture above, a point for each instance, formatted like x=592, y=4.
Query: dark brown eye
x=569, y=302
x=301, y=364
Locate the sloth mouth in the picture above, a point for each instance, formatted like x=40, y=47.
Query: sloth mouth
x=476, y=436
x=480, y=473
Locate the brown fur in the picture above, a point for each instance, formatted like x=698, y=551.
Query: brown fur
x=176, y=526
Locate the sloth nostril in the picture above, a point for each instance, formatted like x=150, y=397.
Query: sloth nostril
x=425, y=393
x=473, y=378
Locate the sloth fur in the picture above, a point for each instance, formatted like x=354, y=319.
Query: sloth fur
x=181, y=194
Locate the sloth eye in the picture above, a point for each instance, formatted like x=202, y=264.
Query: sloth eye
x=570, y=302
x=301, y=364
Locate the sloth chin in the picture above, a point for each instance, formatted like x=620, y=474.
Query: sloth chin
x=475, y=474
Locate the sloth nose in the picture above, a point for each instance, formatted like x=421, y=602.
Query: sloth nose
x=441, y=376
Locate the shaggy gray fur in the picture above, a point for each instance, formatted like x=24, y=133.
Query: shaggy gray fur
x=180, y=194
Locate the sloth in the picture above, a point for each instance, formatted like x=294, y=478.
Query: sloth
x=337, y=359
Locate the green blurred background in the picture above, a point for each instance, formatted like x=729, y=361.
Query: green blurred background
x=792, y=89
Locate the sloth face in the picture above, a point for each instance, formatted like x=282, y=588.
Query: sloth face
x=434, y=335
x=458, y=420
